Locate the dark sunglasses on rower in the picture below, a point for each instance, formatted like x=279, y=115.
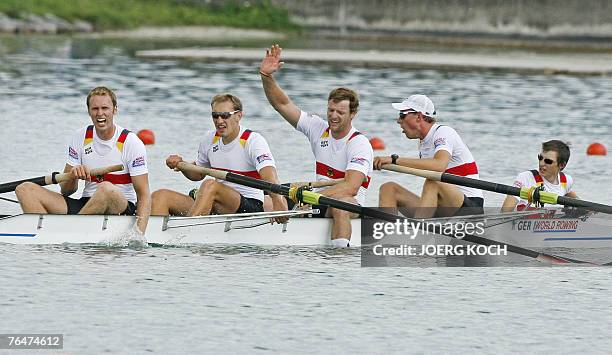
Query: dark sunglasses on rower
x=403, y=114
x=546, y=161
x=224, y=115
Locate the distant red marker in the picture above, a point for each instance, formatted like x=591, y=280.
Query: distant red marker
x=146, y=136
x=377, y=143
x=597, y=149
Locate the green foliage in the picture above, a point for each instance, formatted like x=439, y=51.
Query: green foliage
x=121, y=14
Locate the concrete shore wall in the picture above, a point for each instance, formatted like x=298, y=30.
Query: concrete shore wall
x=529, y=18
x=561, y=18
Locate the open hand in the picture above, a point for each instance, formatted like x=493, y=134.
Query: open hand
x=271, y=61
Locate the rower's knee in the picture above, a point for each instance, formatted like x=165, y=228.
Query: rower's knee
x=209, y=186
x=159, y=197
x=388, y=188
x=26, y=190
x=106, y=189
x=432, y=184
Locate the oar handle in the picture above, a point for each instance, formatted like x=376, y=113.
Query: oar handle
x=315, y=184
x=427, y=174
x=218, y=174
x=93, y=172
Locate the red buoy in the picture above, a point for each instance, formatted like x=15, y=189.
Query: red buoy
x=146, y=136
x=597, y=149
x=377, y=143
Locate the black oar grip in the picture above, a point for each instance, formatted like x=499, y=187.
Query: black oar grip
x=53, y=175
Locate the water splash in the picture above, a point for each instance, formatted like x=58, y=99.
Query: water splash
x=132, y=239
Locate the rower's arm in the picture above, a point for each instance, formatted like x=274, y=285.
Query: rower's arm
x=193, y=175
x=347, y=188
x=268, y=173
x=509, y=204
x=438, y=163
x=143, y=203
x=68, y=187
x=275, y=95
x=172, y=162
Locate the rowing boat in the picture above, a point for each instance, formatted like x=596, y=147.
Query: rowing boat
x=528, y=230
x=251, y=228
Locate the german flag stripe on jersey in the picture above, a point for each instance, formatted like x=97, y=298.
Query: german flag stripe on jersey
x=537, y=177
x=216, y=138
x=88, y=135
x=122, y=137
x=325, y=134
x=354, y=135
x=563, y=180
x=540, y=181
x=245, y=136
x=325, y=170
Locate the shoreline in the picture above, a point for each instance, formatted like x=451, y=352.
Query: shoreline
x=189, y=33
x=582, y=64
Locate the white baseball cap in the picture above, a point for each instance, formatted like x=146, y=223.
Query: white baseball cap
x=418, y=103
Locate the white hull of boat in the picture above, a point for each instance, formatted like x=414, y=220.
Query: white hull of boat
x=592, y=232
x=59, y=229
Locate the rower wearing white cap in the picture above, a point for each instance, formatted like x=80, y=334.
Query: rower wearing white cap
x=440, y=149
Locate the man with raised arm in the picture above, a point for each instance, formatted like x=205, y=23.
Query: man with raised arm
x=230, y=147
x=101, y=144
x=550, y=176
x=440, y=149
x=341, y=152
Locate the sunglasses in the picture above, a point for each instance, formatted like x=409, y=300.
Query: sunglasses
x=546, y=161
x=403, y=114
x=224, y=115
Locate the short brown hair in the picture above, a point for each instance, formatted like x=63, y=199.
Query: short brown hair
x=562, y=149
x=341, y=94
x=101, y=91
x=227, y=97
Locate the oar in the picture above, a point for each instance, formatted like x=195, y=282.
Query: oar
x=56, y=178
x=315, y=184
x=524, y=192
x=8, y=199
x=314, y=198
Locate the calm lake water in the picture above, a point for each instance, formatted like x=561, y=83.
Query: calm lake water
x=304, y=300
